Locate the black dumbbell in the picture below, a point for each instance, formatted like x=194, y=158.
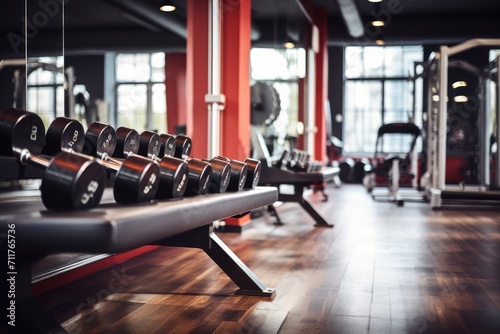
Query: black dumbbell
x=167, y=145
x=173, y=171
x=239, y=172
x=199, y=177
x=221, y=175
x=136, y=178
x=282, y=161
x=199, y=172
x=183, y=146
x=127, y=142
x=70, y=182
x=253, y=173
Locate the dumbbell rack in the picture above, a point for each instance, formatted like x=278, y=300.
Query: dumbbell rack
x=276, y=177
x=113, y=228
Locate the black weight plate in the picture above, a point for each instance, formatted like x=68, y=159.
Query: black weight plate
x=72, y=182
x=136, y=181
x=64, y=134
x=20, y=129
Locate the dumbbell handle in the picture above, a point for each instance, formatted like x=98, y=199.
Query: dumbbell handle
x=25, y=156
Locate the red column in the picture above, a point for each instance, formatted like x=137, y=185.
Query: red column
x=236, y=25
x=321, y=85
x=175, y=82
x=197, y=75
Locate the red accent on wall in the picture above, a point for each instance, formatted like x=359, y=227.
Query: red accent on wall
x=197, y=75
x=236, y=25
x=75, y=274
x=175, y=82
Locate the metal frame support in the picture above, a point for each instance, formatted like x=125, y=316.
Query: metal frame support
x=497, y=162
x=205, y=239
x=214, y=98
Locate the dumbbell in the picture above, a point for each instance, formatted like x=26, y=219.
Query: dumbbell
x=136, y=178
x=173, y=171
x=199, y=172
x=239, y=172
x=251, y=179
x=221, y=175
x=70, y=181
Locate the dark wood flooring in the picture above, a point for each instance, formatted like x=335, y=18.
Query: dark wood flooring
x=381, y=269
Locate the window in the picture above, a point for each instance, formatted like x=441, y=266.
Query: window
x=45, y=92
x=281, y=68
x=377, y=91
x=141, y=101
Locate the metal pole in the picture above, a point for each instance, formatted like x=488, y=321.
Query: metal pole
x=484, y=130
x=310, y=118
x=497, y=116
x=443, y=117
x=214, y=99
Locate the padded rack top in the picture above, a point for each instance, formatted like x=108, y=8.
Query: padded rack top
x=114, y=228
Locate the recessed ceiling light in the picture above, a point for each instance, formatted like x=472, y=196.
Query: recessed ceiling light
x=374, y=0
x=289, y=45
x=380, y=42
x=457, y=84
x=460, y=99
x=378, y=23
x=167, y=7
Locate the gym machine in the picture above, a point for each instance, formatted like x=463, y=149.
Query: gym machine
x=106, y=227
x=440, y=193
x=395, y=167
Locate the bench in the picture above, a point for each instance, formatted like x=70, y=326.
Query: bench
x=112, y=228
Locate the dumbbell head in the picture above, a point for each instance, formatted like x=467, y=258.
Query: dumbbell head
x=149, y=144
x=174, y=174
x=199, y=178
x=253, y=173
x=64, y=134
x=182, y=146
x=221, y=175
x=127, y=142
x=238, y=173
x=72, y=182
x=20, y=129
x=167, y=145
x=100, y=140
x=137, y=180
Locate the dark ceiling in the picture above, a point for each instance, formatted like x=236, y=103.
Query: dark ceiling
x=94, y=26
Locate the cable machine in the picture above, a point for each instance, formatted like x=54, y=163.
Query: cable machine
x=484, y=191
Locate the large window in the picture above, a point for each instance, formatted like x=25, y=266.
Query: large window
x=378, y=91
x=140, y=91
x=45, y=91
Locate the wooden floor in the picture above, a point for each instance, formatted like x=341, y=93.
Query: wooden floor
x=381, y=269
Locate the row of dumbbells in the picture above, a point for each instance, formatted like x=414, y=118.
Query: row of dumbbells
x=142, y=167
x=297, y=161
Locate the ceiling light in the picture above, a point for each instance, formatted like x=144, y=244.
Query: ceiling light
x=289, y=45
x=374, y=0
x=460, y=99
x=458, y=84
x=435, y=98
x=167, y=6
x=378, y=23
x=380, y=42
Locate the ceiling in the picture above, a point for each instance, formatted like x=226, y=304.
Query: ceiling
x=94, y=26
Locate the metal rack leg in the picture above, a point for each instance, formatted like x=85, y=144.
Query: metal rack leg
x=204, y=238
x=320, y=221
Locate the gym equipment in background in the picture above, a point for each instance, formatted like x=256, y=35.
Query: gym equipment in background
x=484, y=191
x=395, y=164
